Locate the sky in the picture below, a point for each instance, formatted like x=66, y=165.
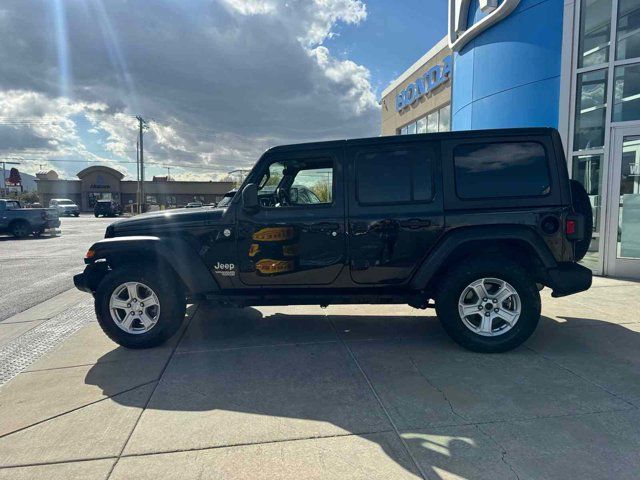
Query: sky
x=218, y=81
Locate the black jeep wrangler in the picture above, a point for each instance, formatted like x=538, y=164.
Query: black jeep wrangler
x=473, y=223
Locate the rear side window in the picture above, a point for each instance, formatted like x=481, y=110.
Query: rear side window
x=394, y=176
x=506, y=169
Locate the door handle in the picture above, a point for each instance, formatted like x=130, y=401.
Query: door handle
x=358, y=228
x=415, y=223
x=325, y=227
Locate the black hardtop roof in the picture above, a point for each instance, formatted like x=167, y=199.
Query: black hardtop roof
x=467, y=134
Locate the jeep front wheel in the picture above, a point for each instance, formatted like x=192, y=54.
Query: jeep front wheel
x=488, y=305
x=139, y=308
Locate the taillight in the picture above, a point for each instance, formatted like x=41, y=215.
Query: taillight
x=570, y=227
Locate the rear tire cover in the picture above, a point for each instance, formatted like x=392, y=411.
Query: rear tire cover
x=582, y=205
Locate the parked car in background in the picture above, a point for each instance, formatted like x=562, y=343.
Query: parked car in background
x=22, y=222
x=107, y=208
x=65, y=207
x=194, y=205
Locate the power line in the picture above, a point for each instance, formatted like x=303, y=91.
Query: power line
x=118, y=162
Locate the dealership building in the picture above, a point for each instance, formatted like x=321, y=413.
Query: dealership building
x=104, y=183
x=573, y=65
x=419, y=100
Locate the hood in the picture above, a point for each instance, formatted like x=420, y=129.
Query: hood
x=162, y=221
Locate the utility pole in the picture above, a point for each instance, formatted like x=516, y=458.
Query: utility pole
x=168, y=174
x=142, y=124
x=4, y=176
x=138, y=176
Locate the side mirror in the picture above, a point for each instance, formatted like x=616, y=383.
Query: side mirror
x=250, y=197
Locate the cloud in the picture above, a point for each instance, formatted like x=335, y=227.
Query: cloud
x=220, y=81
x=251, y=7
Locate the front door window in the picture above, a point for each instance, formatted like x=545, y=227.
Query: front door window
x=297, y=184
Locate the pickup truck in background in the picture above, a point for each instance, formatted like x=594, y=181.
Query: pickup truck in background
x=22, y=222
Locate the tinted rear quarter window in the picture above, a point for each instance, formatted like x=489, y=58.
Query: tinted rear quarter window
x=504, y=169
x=394, y=175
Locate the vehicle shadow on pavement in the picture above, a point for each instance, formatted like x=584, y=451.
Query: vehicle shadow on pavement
x=6, y=238
x=252, y=378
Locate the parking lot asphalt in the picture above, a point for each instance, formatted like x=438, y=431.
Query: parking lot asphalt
x=358, y=392
x=33, y=270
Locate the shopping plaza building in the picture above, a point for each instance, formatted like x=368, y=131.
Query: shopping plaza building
x=104, y=183
x=573, y=65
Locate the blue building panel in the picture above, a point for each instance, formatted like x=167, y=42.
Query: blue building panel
x=509, y=76
x=517, y=107
x=462, y=87
x=463, y=118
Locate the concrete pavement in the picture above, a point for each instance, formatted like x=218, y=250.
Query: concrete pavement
x=345, y=392
x=37, y=269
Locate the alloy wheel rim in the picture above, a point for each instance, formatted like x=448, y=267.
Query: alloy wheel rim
x=489, y=307
x=134, y=307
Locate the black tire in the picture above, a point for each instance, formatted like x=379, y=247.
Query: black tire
x=96, y=215
x=461, y=276
x=582, y=205
x=170, y=295
x=76, y=215
x=20, y=229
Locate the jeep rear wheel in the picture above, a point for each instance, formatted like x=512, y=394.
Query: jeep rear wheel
x=488, y=305
x=139, y=308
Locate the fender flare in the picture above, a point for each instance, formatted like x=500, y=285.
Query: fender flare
x=177, y=252
x=438, y=256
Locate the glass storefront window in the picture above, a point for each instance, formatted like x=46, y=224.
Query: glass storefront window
x=432, y=122
x=629, y=216
x=587, y=169
x=591, y=107
x=626, y=93
x=628, y=34
x=595, y=32
x=445, y=119
x=438, y=121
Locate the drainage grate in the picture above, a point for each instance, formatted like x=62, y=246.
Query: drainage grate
x=26, y=349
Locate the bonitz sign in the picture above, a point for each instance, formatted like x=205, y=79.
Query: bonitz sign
x=423, y=85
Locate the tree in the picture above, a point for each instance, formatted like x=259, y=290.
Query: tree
x=29, y=198
x=322, y=189
x=14, y=177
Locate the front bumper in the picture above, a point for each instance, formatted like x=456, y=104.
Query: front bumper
x=569, y=278
x=88, y=280
x=53, y=223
